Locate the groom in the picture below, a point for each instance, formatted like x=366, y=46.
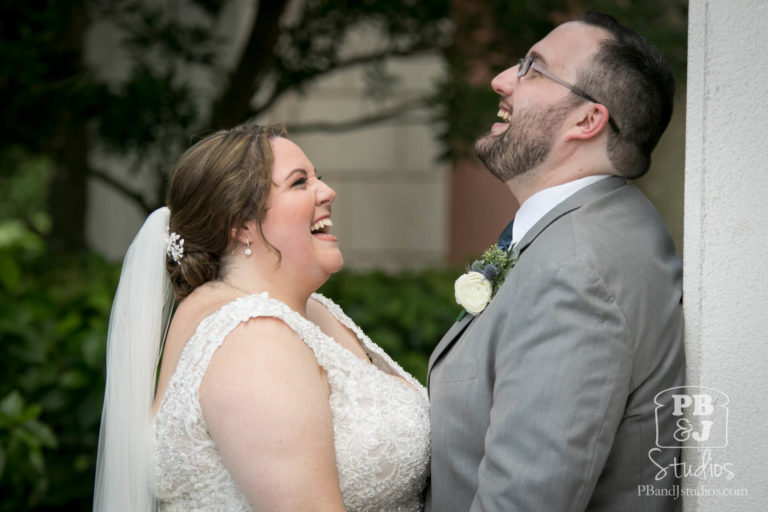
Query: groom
x=544, y=401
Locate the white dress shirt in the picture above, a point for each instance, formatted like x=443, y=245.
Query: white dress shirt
x=540, y=203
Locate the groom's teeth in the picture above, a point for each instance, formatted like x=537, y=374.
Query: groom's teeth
x=320, y=225
x=503, y=114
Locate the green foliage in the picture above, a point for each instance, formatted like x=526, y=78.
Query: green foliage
x=494, y=264
x=53, y=318
x=22, y=440
x=23, y=187
x=53, y=321
x=406, y=314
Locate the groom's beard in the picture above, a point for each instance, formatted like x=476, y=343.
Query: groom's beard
x=524, y=145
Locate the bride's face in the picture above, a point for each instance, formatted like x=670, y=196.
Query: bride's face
x=298, y=216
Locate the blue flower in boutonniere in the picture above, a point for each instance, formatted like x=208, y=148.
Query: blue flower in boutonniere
x=475, y=289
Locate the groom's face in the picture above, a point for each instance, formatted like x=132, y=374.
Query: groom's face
x=535, y=109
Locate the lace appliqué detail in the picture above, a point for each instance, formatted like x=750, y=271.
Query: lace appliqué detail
x=381, y=424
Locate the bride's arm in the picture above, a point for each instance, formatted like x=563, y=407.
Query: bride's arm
x=265, y=402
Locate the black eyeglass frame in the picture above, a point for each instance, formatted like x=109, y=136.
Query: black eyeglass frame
x=525, y=64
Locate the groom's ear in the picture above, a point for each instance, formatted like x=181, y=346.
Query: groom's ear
x=591, y=121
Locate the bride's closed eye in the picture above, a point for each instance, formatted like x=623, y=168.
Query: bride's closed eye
x=304, y=180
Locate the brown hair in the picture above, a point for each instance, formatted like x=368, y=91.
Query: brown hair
x=218, y=184
x=637, y=86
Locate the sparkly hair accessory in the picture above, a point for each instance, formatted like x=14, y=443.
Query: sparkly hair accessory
x=175, y=248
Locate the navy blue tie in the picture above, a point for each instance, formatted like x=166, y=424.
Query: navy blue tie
x=505, y=238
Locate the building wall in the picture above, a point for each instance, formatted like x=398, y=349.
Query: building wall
x=392, y=196
x=726, y=237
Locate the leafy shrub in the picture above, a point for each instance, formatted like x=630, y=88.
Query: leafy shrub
x=53, y=320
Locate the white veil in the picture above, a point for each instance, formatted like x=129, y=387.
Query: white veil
x=139, y=317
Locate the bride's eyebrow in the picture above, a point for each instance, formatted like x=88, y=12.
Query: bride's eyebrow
x=295, y=171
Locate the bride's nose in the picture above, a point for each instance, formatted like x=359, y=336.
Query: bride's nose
x=325, y=194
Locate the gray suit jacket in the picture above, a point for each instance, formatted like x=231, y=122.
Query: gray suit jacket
x=545, y=400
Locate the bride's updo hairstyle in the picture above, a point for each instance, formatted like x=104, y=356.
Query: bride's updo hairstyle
x=218, y=184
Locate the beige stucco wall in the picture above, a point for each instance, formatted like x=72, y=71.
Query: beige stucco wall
x=726, y=241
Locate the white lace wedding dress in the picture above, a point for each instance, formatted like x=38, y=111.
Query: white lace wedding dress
x=381, y=424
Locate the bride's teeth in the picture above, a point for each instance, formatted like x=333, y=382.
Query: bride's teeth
x=321, y=224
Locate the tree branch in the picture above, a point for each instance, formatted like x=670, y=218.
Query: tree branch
x=281, y=89
x=122, y=189
x=232, y=106
x=342, y=126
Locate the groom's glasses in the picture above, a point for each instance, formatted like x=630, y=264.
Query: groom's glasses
x=526, y=63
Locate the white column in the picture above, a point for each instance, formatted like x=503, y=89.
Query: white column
x=726, y=246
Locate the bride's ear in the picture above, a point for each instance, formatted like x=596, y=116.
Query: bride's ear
x=234, y=234
x=246, y=232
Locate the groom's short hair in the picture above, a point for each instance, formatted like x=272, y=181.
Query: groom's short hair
x=636, y=84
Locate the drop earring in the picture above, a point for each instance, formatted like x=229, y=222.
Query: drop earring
x=247, y=251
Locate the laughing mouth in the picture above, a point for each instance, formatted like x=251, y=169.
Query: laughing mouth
x=504, y=115
x=321, y=226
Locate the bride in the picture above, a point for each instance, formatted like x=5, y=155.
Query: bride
x=268, y=396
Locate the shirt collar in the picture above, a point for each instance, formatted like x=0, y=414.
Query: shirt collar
x=540, y=203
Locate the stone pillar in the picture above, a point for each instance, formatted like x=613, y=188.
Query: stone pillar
x=726, y=252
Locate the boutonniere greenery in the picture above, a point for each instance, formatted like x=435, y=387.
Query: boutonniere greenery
x=475, y=289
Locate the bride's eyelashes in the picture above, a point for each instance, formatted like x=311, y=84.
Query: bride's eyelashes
x=304, y=180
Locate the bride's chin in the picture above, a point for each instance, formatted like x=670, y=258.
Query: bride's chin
x=336, y=265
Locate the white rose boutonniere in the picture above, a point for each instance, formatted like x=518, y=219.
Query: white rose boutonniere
x=475, y=289
x=473, y=292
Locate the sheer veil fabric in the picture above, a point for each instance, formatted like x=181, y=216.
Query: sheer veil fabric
x=140, y=314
